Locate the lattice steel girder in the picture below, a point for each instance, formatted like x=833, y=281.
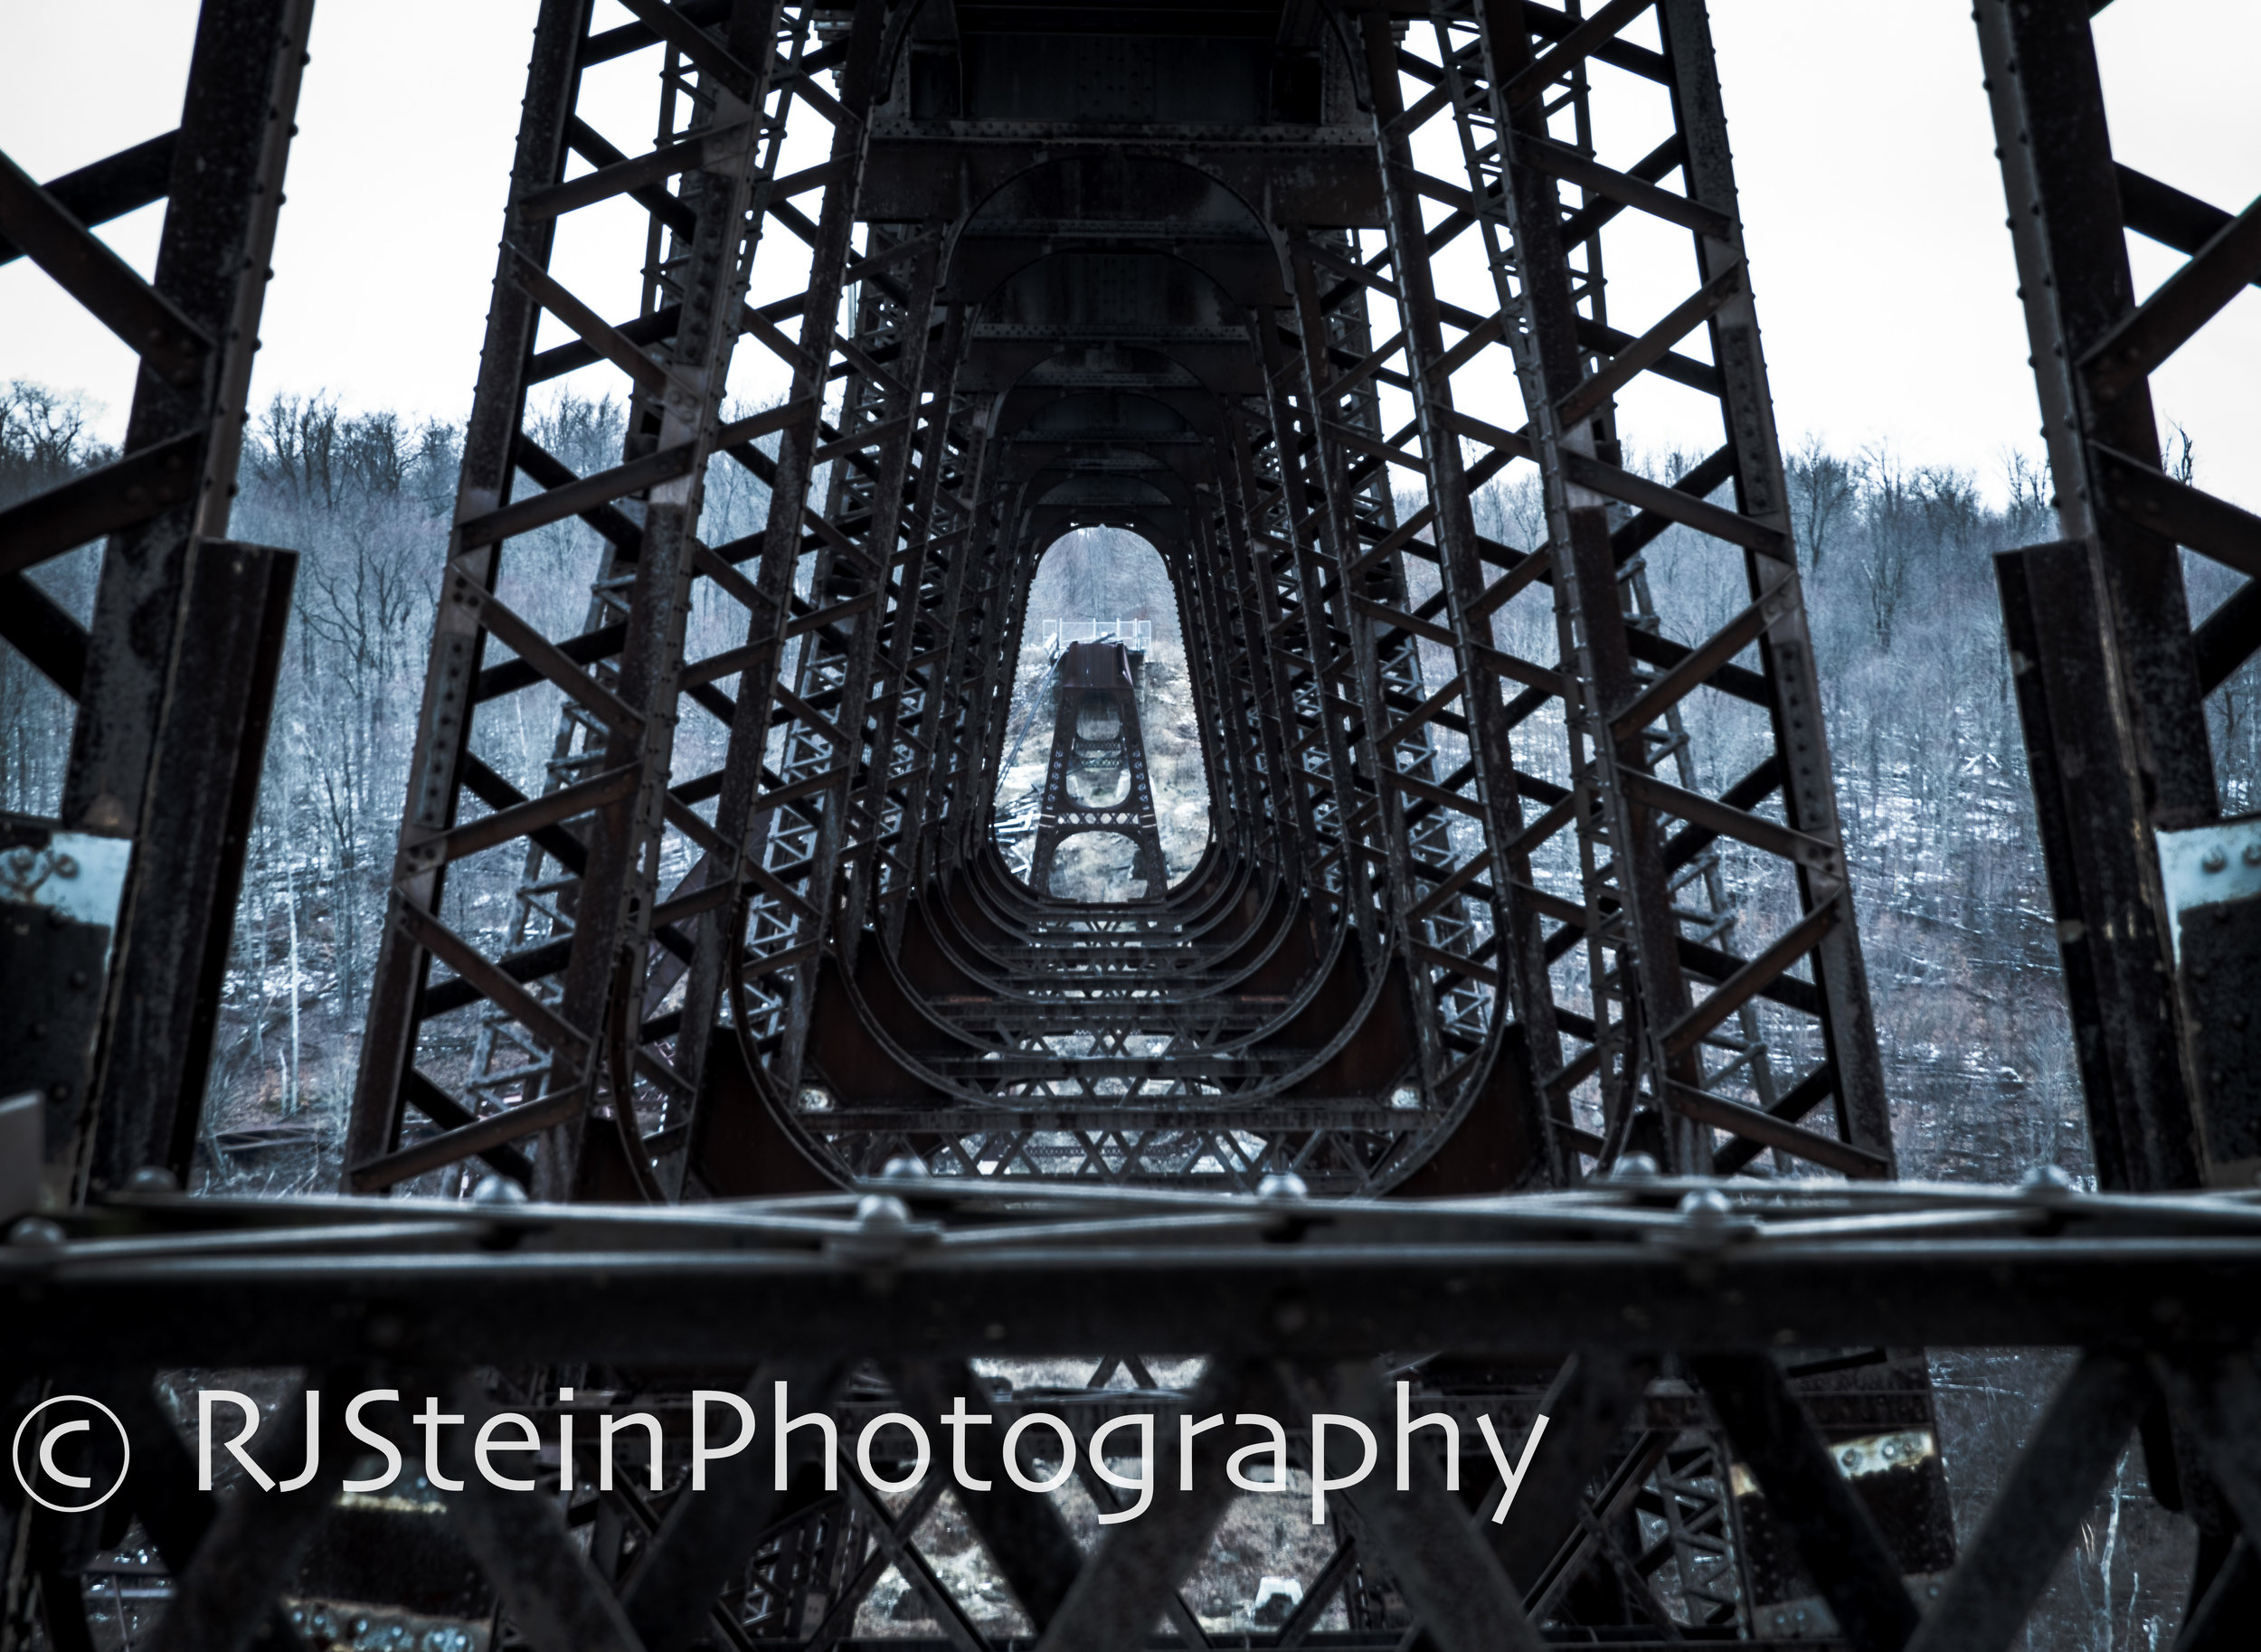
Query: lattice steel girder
x=2113, y=677
x=174, y=676
x=589, y=1056
x=1310, y=642
x=961, y=681
x=1289, y=1300
x=1342, y=421
x=903, y=736
x=1111, y=329
x=848, y=789
x=1652, y=991
x=1828, y=1265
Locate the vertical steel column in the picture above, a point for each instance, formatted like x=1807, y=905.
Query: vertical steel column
x=1232, y=732
x=990, y=622
x=1266, y=618
x=929, y=803
x=2157, y=923
x=1383, y=841
x=1355, y=794
x=179, y=666
x=604, y=980
x=1655, y=995
x=848, y=794
x=1636, y=830
x=483, y=486
x=1377, y=600
x=797, y=924
x=904, y=726
x=625, y=677
x=1491, y=754
x=898, y=548
x=1785, y=643
x=2108, y=670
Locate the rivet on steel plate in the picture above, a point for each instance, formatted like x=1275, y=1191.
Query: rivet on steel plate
x=1283, y=1184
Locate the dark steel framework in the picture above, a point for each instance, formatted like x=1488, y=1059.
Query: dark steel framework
x=923, y=1289
x=1473, y=800
x=135, y=884
x=1098, y=748
x=1525, y=878
x=2158, y=897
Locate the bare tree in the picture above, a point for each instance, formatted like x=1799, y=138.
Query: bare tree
x=46, y=438
x=1823, y=491
x=295, y=447
x=2181, y=460
x=2032, y=500
x=43, y=436
x=1891, y=517
x=374, y=452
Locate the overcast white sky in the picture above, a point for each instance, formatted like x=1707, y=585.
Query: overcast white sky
x=1872, y=201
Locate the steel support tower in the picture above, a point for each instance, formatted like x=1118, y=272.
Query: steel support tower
x=123, y=906
x=1097, y=745
x=1104, y=266
x=1526, y=889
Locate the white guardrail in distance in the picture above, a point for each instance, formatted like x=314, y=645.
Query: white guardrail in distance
x=1136, y=634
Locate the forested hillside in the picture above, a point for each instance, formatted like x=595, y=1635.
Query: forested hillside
x=1956, y=926
x=1929, y=760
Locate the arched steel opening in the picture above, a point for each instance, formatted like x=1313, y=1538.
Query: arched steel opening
x=1094, y=588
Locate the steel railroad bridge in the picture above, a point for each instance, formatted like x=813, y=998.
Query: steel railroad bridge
x=1509, y=1038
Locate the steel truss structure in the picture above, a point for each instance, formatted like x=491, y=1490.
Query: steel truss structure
x=1472, y=799
x=1097, y=743
x=1525, y=888
x=2157, y=921
x=923, y=1291
x=173, y=678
